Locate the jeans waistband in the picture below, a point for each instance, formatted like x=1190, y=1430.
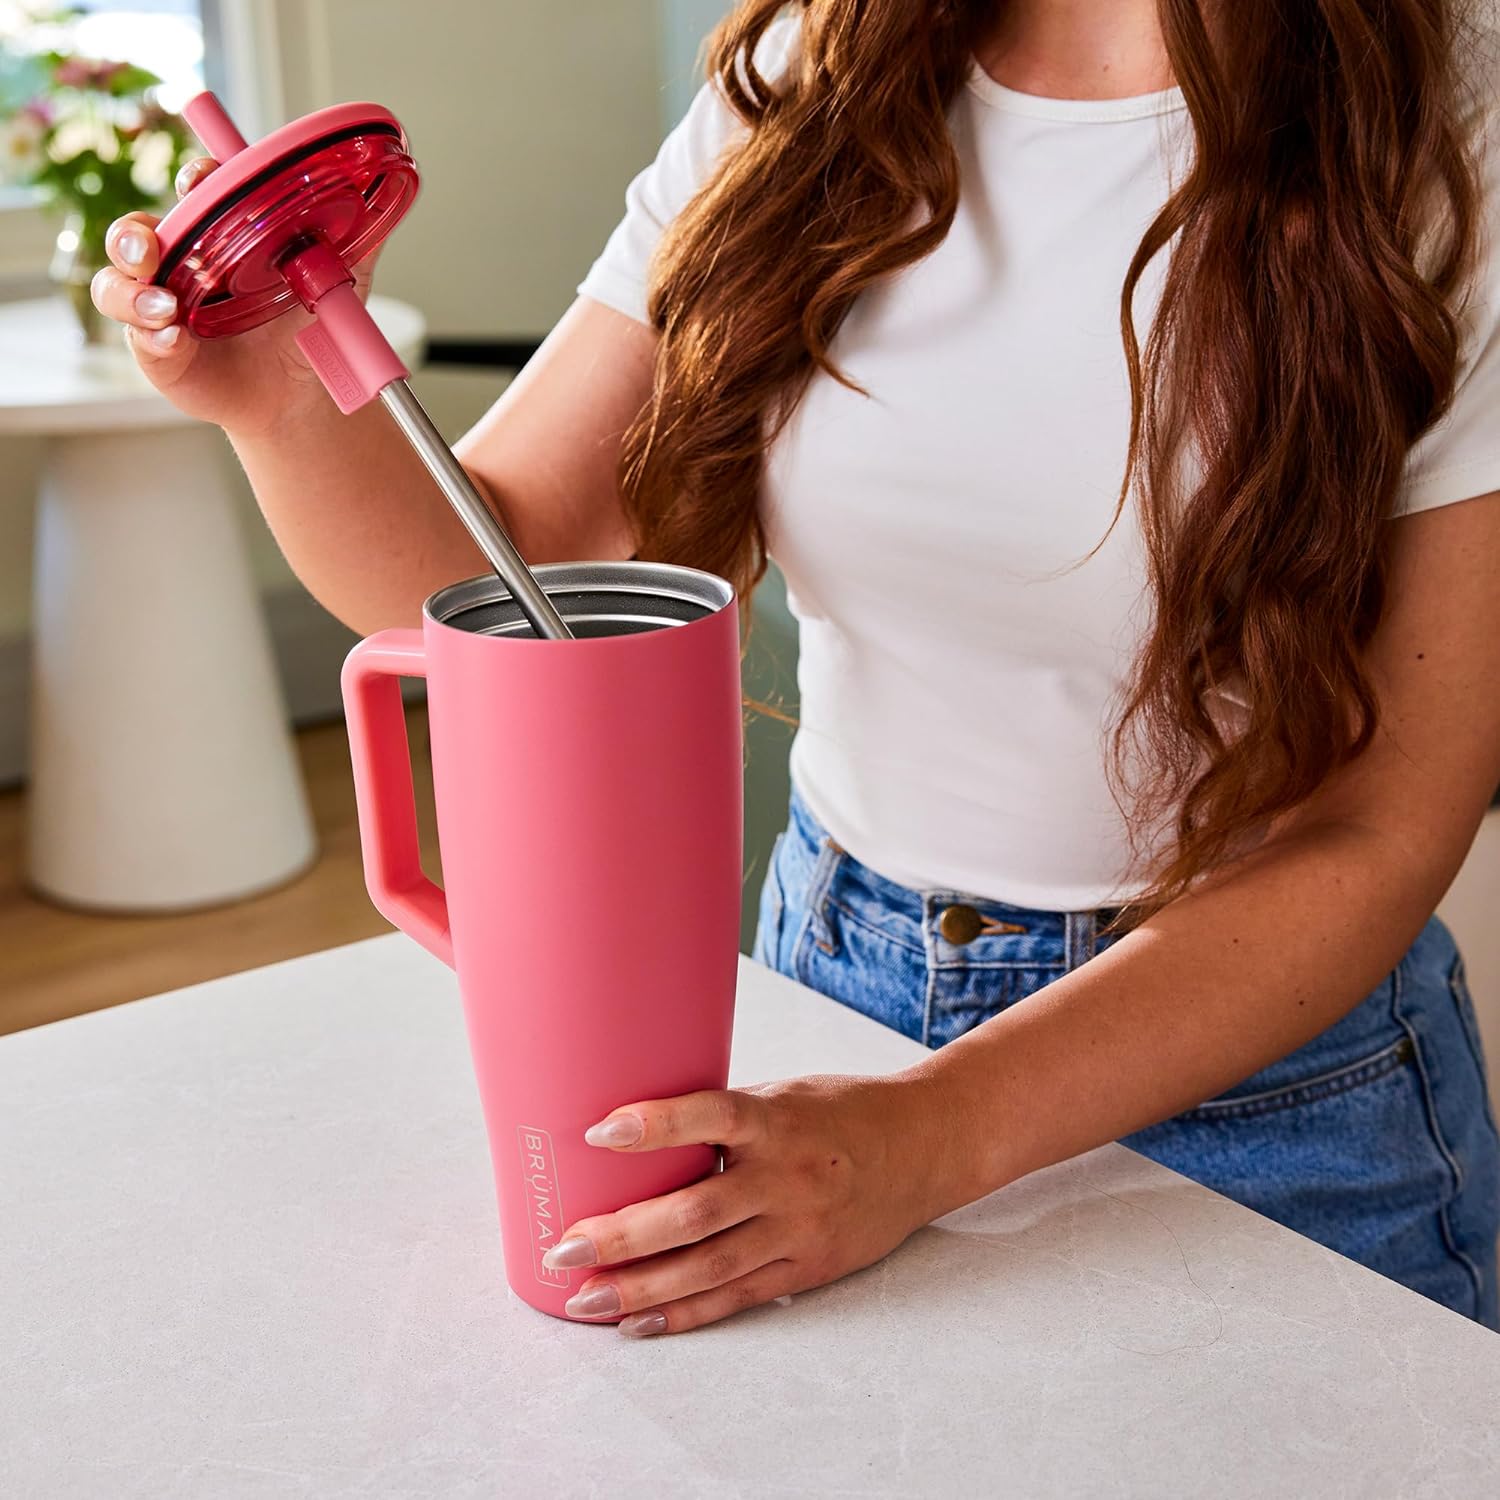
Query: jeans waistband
x=913, y=902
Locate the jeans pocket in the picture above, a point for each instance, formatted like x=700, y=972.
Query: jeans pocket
x=1359, y=1048
x=1253, y=1097
x=767, y=947
x=1352, y=1161
x=861, y=963
x=1370, y=1139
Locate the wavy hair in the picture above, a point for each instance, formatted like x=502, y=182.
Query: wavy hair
x=1319, y=246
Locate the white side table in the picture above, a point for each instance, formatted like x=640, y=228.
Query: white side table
x=162, y=770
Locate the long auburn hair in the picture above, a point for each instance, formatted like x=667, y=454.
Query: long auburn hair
x=1307, y=333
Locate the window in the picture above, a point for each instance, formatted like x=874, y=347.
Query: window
x=164, y=36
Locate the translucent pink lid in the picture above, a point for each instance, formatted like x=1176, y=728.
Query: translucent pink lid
x=343, y=175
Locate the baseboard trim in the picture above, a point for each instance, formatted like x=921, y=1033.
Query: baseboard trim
x=309, y=644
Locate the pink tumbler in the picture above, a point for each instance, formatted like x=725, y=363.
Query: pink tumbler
x=589, y=813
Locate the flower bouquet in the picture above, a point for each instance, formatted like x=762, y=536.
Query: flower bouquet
x=90, y=134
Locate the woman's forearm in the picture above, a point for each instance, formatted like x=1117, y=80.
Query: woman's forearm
x=1216, y=986
x=367, y=530
x=359, y=519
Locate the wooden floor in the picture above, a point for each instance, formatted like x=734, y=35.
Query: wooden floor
x=56, y=963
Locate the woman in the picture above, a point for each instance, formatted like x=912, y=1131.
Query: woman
x=1116, y=384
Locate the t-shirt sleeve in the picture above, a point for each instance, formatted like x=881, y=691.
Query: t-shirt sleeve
x=685, y=162
x=1459, y=457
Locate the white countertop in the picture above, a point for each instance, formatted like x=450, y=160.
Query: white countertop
x=248, y=1247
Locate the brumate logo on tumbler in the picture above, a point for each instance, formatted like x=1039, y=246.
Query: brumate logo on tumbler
x=543, y=1199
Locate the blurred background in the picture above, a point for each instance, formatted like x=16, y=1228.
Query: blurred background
x=503, y=100
x=503, y=104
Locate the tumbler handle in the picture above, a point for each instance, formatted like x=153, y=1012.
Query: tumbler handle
x=383, y=788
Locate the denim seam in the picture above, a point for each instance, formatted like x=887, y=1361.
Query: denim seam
x=797, y=958
x=929, y=950
x=778, y=901
x=1079, y=939
x=950, y=964
x=795, y=965
x=1325, y=1086
x=1434, y=1126
x=1458, y=987
x=817, y=896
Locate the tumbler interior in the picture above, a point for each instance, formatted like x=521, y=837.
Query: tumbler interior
x=595, y=598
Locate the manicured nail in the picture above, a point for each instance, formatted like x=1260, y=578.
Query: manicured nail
x=155, y=303
x=131, y=246
x=599, y=1303
x=567, y=1255
x=643, y=1325
x=164, y=338
x=618, y=1130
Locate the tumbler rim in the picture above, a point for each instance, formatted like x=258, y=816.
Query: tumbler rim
x=669, y=584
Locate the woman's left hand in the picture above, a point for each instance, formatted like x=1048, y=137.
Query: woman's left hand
x=819, y=1180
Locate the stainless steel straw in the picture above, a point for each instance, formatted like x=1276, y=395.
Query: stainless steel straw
x=478, y=519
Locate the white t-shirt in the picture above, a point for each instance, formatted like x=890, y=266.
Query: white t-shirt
x=956, y=685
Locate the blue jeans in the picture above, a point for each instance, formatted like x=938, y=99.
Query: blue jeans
x=1375, y=1139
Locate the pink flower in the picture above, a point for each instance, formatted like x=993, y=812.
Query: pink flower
x=86, y=73
x=38, y=110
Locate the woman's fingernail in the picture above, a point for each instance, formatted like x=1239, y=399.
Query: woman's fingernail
x=132, y=247
x=569, y=1254
x=643, y=1325
x=154, y=302
x=599, y=1303
x=164, y=339
x=620, y=1130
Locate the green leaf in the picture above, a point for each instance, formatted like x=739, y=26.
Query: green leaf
x=132, y=80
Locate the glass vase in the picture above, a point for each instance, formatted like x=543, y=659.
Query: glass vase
x=75, y=260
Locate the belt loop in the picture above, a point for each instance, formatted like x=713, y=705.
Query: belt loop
x=1078, y=939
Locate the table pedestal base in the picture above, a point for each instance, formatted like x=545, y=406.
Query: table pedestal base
x=163, y=775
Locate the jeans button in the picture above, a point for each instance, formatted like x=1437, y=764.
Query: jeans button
x=960, y=924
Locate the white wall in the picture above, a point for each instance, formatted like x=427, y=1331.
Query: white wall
x=504, y=104
x=684, y=25
x=527, y=119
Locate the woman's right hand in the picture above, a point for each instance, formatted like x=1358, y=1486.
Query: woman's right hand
x=244, y=383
